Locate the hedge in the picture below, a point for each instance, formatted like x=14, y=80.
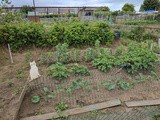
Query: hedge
x=75, y=33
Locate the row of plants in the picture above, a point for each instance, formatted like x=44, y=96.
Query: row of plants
x=64, y=55
x=141, y=22
x=59, y=71
x=74, y=33
x=135, y=57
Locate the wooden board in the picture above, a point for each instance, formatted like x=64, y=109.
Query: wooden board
x=143, y=103
x=99, y=106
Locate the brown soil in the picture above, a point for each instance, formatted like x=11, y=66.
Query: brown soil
x=141, y=91
x=13, y=77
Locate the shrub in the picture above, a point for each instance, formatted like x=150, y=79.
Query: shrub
x=104, y=63
x=58, y=71
x=80, y=70
x=137, y=34
x=23, y=35
x=137, y=57
x=74, y=33
x=79, y=34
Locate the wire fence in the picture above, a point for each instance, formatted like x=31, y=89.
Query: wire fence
x=147, y=113
x=97, y=93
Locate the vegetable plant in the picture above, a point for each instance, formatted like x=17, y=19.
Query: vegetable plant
x=58, y=71
x=80, y=70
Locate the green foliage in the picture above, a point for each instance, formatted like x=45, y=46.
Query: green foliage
x=141, y=22
x=58, y=71
x=62, y=53
x=80, y=34
x=89, y=54
x=117, y=82
x=25, y=9
x=158, y=17
x=151, y=4
x=109, y=85
x=105, y=62
x=80, y=70
x=78, y=84
x=128, y=8
x=137, y=34
x=75, y=33
x=61, y=107
x=124, y=85
x=137, y=57
x=46, y=58
x=35, y=99
x=23, y=35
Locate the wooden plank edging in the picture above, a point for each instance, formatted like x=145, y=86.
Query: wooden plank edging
x=98, y=106
x=143, y=103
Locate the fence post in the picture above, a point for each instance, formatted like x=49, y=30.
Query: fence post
x=10, y=53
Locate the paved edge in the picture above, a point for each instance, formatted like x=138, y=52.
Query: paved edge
x=98, y=106
x=143, y=103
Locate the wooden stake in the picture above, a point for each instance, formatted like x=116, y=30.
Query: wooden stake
x=10, y=53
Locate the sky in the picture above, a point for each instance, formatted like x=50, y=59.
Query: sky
x=112, y=4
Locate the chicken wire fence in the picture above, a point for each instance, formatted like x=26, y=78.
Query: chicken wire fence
x=96, y=94
x=147, y=113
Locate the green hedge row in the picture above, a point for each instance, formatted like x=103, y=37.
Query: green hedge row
x=76, y=34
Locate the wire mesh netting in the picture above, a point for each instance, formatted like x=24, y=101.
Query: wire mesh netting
x=96, y=93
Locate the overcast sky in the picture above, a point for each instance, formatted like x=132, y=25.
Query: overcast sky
x=112, y=4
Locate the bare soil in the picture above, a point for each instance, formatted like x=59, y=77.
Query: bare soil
x=13, y=77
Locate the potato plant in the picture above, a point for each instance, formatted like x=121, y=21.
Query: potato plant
x=80, y=70
x=58, y=71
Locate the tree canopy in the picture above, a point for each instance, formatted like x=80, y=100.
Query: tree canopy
x=128, y=8
x=151, y=5
x=105, y=8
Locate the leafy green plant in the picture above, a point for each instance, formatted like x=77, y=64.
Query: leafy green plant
x=78, y=84
x=154, y=74
x=117, y=82
x=137, y=57
x=123, y=84
x=52, y=96
x=80, y=70
x=46, y=58
x=104, y=63
x=58, y=71
x=109, y=85
x=36, y=99
x=61, y=106
x=45, y=95
x=46, y=90
x=137, y=34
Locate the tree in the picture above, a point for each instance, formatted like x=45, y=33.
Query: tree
x=8, y=16
x=4, y=3
x=105, y=8
x=116, y=13
x=26, y=8
x=141, y=8
x=151, y=5
x=128, y=8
